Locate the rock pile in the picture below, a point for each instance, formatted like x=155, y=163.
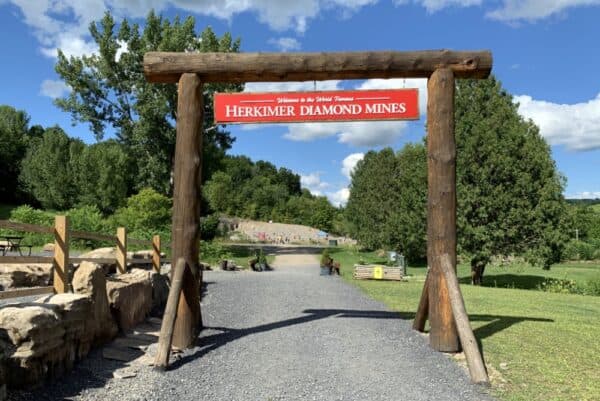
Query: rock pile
x=42, y=340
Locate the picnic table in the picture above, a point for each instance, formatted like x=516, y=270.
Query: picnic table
x=13, y=243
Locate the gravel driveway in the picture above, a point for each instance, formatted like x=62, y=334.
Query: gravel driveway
x=289, y=334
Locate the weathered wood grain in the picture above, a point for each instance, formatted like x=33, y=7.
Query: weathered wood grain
x=273, y=67
x=441, y=206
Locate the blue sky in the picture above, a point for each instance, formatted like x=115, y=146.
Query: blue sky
x=546, y=53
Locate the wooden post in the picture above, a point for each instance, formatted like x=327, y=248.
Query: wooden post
x=186, y=206
x=121, y=250
x=467, y=338
x=156, y=253
x=423, y=309
x=441, y=206
x=166, y=329
x=61, y=254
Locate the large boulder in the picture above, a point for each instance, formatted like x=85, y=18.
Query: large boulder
x=130, y=297
x=74, y=312
x=15, y=275
x=103, y=253
x=37, y=336
x=90, y=280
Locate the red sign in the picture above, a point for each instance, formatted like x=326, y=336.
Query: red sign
x=359, y=105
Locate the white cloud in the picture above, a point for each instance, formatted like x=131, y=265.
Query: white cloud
x=531, y=10
x=585, y=195
x=436, y=5
x=577, y=126
x=349, y=163
x=53, y=89
x=358, y=133
x=285, y=44
x=340, y=197
x=313, y=183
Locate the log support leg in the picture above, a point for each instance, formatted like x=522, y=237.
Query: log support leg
x=441, y=208
x=186, y=207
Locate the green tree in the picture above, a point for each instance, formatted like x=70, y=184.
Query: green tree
x=14, y=138
x=147, y=210
x=101, y=176
x=109, y=91
x=373, y=193
x=46, y=170
x=509, y=191
x=408, y=225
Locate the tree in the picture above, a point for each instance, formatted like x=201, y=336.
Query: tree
x=13, y=143
x=100, y=176
x=109, y=91
x=46, y=169
x=509, y=192
x=373, y=194
x=388, y=201
x=408, y=225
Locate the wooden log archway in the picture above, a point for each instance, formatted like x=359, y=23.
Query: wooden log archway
x=441, y=67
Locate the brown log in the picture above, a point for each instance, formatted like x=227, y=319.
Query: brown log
x=467, y=338
x=186, y=206
x=61, y=254
x=26, y=259
x=423, y=308
x=441, y=206
x=93, y=236
x=272, y=67
x=168, y=322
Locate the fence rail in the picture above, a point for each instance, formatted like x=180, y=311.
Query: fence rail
x=61, y=261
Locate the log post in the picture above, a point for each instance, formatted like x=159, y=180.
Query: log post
x=166, y=329
x=121, y=250
x=60, y=262
x=423, y=308
x=441, y=206
x=467, y=338
x=156, y=253
x=186, y=206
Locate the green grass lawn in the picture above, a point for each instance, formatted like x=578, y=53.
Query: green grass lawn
x=549, y=342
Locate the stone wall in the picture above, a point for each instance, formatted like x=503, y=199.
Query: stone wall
x=43, y=339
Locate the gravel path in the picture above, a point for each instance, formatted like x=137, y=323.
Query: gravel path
x=289, y=334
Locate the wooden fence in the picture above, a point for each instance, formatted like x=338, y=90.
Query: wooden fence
x=61, y=260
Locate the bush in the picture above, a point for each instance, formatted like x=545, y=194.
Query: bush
x=560, y=286
x=29, y=215
x=592, y=287
x=211, y=252
x=209, y=227
x=582, y=250
x=90, y=219
x=325, y=258
x=148, y=211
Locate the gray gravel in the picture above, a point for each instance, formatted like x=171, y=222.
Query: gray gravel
x=288, y=334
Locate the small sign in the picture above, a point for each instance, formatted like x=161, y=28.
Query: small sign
x=378, y=272
x=287, y=107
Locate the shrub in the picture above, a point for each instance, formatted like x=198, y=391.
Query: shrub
x=147, y=210
x=325, y=258
x=29, y=215
x=90, y=219
x=592, y=287
x=561, y=286
x=209, y=227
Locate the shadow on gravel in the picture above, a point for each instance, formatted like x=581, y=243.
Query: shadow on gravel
x=210, y=343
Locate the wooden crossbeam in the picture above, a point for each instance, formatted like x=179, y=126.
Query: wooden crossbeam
x=167, y=67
